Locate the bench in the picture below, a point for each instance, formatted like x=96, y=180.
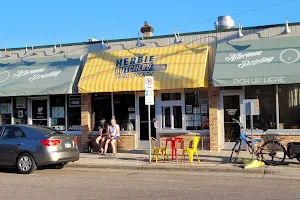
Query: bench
x=93, y=147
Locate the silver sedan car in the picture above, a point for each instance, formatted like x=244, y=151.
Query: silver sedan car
x=27, y=147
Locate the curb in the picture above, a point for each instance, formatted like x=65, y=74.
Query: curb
x=131, y=167
x=149, y=167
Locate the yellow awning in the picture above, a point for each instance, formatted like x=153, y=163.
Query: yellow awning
x=172, y=67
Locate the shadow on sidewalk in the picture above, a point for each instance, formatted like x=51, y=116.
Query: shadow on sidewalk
x=205, y=157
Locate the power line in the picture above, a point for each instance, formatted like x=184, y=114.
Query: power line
x=237, y=13
x=211, y=19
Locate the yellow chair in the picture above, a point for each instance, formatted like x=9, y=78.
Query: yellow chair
x=192, y=151
x=157, y=150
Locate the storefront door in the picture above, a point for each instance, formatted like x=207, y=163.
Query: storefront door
x=231, y=103
x=143, y=123
x=39, y=112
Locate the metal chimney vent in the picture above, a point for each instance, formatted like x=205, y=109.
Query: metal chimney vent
x=224, y=22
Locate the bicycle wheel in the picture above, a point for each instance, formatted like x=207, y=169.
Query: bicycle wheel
x=235, y=151
x=273, y=153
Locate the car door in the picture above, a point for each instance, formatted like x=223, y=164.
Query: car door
x=11, y=143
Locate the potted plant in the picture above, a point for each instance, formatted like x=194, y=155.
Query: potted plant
x=228, y=136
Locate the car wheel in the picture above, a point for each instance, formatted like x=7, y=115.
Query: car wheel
x=59, y=166
x=26, y=164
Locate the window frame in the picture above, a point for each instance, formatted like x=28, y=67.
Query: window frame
x=68, y=107
x=277, y=129
x=171, y=104
x=64, y=102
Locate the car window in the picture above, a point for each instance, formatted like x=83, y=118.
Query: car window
x=12, y=132
x=48, y=130
x=1, y=129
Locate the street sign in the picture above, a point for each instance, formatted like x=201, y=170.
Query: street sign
x=149, y=83
x=149, y=97
x=149, y=100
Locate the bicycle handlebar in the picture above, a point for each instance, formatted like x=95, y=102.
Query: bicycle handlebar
x=238, y=122
x=241, y=125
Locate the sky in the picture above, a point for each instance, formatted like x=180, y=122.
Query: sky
x=36, y=22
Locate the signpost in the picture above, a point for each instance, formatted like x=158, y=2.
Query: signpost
x=149, y=100
x=251, y=108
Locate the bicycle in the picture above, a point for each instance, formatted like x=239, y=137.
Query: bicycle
x=272, y=148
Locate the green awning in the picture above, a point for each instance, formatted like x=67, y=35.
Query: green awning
x=258, y=62
x=39, y=76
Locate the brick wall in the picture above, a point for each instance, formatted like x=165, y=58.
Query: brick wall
x=284, y=139
x=85, y=120
x=186, y=138
x=128, y=142
x=213, y=106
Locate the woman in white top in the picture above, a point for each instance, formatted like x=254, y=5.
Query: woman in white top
x=113, y=136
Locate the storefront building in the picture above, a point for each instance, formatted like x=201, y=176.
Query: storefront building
x=263, y=69
x=113, y=84
x=41, y=90
x=200, y=83
x=180, y=109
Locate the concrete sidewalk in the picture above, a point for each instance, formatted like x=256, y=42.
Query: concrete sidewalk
x=210, y=162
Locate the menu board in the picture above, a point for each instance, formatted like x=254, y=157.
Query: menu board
x=58, y=112
x=5, y=108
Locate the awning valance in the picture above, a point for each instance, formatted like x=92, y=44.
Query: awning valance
x=258, y=62
x=39, y=76
x=172, y=67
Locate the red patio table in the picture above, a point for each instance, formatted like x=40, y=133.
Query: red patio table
x=174, y=146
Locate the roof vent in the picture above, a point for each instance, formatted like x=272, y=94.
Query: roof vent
x=93, y=40
x=224, y=22
x=147, y=30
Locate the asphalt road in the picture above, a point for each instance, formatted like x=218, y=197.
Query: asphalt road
x=107, y=184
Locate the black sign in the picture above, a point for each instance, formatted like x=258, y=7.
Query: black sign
x=190, y=98
x=75, y=101
x=39, y=109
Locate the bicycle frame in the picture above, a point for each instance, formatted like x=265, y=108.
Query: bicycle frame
x=260, y=150
x=244, y=137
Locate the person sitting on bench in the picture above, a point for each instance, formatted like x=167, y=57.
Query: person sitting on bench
x=113, y=136
x=103, y=135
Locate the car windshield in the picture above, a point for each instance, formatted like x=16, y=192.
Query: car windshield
x=48, y=130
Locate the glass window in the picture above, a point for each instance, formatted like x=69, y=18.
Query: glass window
x=170, y=96
x=57, y=109
x=267, y=103
x=48, y=130
x=172, y=117
x=5, y=110
x=289, y=106
x=166, y=117
x=39, y=111
x=101, y=108
x=177, y=112
x=20, y=110
x=124, y=110
x=74, y=113
x=12, y=132
x=196, y=110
